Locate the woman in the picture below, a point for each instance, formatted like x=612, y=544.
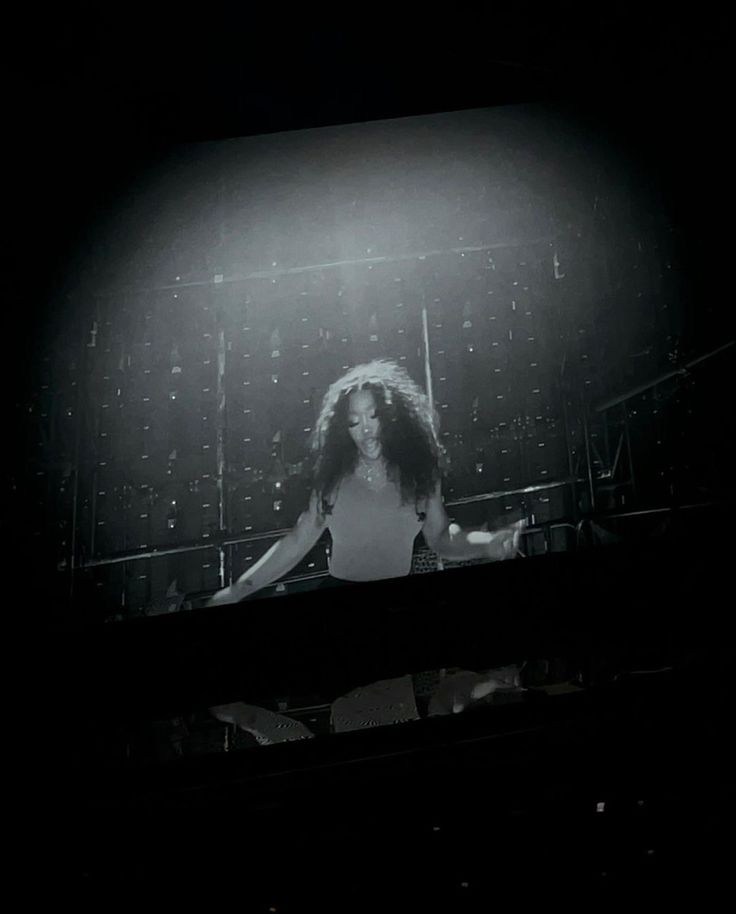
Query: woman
x=376, y=485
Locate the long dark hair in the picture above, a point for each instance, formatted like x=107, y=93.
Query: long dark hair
x=408, y=431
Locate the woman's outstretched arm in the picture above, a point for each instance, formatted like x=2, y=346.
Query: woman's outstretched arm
x=452, y=542
x=278, y=561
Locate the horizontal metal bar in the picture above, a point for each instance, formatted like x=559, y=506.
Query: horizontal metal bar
x=709, y=355
x=216, y=543
x=488, y=496
x=312, y=576
x=676, y=372
x=704, y=504
x=177, y=550
x=642, y=388
x=309, y=708
x=316, y=267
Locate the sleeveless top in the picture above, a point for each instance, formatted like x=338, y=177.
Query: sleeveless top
x=372, y=532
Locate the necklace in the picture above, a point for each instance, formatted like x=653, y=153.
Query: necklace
x=372, y=473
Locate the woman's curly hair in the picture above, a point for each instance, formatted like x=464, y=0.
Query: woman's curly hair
x=408, y=431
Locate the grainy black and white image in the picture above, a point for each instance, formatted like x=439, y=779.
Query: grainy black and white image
x=502, y=266
x=369, y=502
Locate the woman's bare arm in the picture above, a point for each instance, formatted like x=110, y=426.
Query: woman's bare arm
x=452, y=542
x=278, y=561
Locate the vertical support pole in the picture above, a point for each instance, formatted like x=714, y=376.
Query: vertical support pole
x=93, y=521
x=427, y=362
x=607, y=443
x=628, y=448
x=221, y=445
x=572, y=467
x=428, y=384
x=588, y=461
x=82, y=362
x=221, y=417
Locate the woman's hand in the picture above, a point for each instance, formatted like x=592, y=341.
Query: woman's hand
x=232, y=594
x=221, y=598
x=505, y=542
x=459, y=690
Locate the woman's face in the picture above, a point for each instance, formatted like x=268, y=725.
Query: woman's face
x=363, y=424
